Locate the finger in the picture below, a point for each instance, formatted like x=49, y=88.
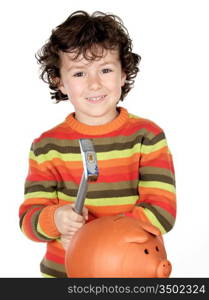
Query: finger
x=76, y=225
x=71, y=227
x=85, y=213
x=65, y=238
x=65, y=241
x=79, y=217
x=76, y=217
x=65, y=245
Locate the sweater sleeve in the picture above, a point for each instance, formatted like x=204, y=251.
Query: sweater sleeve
x=157, y=194
x=37, y=211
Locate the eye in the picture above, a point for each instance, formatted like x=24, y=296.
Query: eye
x=146, y=251
x=78, y=74
x=157, y=249
x=106, y=70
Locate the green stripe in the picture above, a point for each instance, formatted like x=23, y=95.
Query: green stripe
x=123, y=150
x=151, y=140
x=155, y=170
x=44, y=183
x=49, y=271
x=93, y=186
x=116, y=144
x=100, y=193
x=152, y=218
x=157, y=177
x=166, y=215
x=119, y=154
x=53, y=265
x=34, y=226
x=154, y=213
x=38, y=188
x=74, y=143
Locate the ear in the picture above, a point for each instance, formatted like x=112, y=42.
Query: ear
x=151, y=229
x=123, y=78
x=137, y=236
x=61, y=86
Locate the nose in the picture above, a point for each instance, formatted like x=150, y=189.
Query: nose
x=164, y=269
x=94, y=82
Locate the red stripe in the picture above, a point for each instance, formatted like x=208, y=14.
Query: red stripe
x=36, y=177
x=55, y=258
x=125, y=130
x=102, y=178
x=167, y=207
x=118, y=178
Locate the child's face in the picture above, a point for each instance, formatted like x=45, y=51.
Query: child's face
x=93, y=87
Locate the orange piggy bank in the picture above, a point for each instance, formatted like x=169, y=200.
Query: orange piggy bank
x=117, y=246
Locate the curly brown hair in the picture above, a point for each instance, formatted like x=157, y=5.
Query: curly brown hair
x=79, y=34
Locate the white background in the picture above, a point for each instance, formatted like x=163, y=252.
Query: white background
x=172, y=90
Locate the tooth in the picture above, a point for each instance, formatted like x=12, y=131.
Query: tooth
x=95, y=98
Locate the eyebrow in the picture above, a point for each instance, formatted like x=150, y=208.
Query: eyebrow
x=83, y=66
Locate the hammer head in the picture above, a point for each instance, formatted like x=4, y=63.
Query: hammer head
x=89, y=159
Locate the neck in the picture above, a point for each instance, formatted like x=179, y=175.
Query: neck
x=97, y=120
x=86, y=129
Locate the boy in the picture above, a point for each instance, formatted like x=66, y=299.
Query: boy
x=89, y=60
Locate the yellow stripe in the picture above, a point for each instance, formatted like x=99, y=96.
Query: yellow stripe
x=147, y=149
x=77, y=157
x=133, y=116
x=102, y=201
x=41, y=194
x=55, y=154
x=154, y=220
x=158, y=185
x=46, y=275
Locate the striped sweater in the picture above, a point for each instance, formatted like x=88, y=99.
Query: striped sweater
x=136, y=178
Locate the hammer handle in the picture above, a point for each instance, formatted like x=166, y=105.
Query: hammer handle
x=81, y=195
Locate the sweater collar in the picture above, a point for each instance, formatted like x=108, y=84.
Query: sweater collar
x=115, y=124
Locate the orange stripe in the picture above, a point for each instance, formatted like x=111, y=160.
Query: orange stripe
x=42, y=201
x=55, y=248
x=78, y=165
x=119, y=161
x=100, y=211
x=138, y=212
x=155, y=199
x=35, y=201
x=158, y=192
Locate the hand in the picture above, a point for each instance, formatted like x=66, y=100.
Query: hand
x=68, y=221
x=65, y=240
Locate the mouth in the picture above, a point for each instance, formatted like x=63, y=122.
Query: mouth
x=96, y=99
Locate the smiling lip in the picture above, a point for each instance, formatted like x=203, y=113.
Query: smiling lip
x=95, y=99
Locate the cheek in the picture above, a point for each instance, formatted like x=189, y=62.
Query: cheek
x=74, y=88
x=114, y=84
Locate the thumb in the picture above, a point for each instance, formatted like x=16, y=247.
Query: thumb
x=85, y=213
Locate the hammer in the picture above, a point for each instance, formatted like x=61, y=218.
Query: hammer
x=90, y=172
